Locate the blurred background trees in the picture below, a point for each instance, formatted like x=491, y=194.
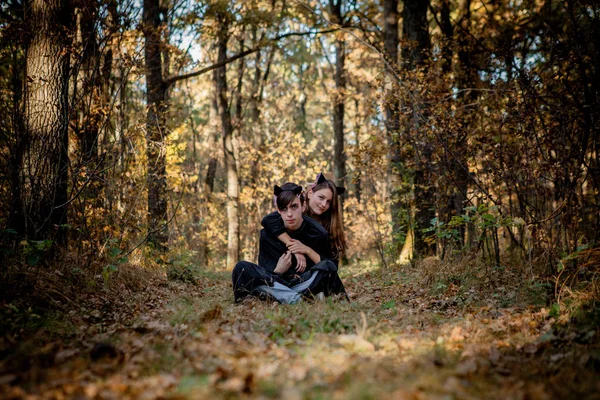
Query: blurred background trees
x=144, y=130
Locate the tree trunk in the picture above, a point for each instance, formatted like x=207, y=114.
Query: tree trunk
x=233, y=232
x=91, y=96
x=415, y=34
x=44, y=158
x=448, y=33
x=211, y=169
x=339, y=156
x=466, y=76
x=156, y=131
x=392, y=124
x=357, y=174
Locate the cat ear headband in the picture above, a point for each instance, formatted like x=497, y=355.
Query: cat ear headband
x=321, y=179
x=297, y=190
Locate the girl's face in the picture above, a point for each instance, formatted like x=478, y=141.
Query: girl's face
x=320, y=201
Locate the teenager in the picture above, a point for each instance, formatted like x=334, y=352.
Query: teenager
x=324, y=207
x=276, y=273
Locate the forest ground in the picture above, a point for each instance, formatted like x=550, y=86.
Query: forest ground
x=407, y=333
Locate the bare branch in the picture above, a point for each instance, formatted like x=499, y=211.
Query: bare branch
x=170, y=81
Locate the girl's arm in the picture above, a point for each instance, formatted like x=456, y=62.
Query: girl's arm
x=297, y=246
x=273, y=224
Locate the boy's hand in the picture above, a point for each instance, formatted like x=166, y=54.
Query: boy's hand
x=284, y=263
x=301, y=262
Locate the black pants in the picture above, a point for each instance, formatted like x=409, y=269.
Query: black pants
x=251, y=279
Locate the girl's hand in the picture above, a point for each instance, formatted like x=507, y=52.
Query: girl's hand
x=297, y=247
x=284, y=263
x=301, y=263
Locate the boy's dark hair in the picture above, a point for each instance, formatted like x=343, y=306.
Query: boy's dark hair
x=285, y=194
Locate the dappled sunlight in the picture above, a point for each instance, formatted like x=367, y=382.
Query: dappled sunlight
x=453, y=253
x=393, y=341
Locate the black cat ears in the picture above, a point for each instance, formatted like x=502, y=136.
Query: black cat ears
x=297, y=190
x=321, y=179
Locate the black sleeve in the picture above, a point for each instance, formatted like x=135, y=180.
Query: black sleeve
x=324, y=249
x=269, y=251
x=316, y=238
x=273, y=224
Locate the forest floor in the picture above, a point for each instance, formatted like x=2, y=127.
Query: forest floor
x=402, y=336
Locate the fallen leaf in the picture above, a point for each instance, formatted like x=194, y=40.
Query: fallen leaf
x=355, y=343
x=466, y=367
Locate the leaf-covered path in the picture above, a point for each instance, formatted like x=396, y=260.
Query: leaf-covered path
x=397, y=339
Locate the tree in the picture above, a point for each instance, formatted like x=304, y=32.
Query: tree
x=339, y=156
x=233, y=190
x=415, y=35
x=156, y=131
x=42, y=148
x=392, y=121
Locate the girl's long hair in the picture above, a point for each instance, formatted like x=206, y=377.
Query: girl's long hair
x=331, y=219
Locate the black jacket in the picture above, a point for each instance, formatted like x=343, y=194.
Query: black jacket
x=310, y=233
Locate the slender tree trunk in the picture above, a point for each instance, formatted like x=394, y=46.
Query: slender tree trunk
x=256, y=99
x=211, y=170
x=339, y=156
x=87, y=118
x=115, y=84
x=392, y=124
x=357, y=124
x=233, y=232
x=92, y=95
x=44, y=158
x=466, y=76
x=415, y=34
x=156, y=131
x=256, y=133
x=448, y=33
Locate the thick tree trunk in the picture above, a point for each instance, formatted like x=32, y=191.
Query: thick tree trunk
x=233, y=190
x=44, y=157
x=156, y=131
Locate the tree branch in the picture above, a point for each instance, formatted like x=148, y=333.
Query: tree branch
x=170, y=81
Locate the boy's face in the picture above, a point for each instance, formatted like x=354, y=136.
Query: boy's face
x=292, y=215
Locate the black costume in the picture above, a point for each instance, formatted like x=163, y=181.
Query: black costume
x=251, y=279
x=273, y=224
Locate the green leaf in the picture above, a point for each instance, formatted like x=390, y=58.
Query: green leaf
x=554, y=310
x=488, y=217
x=33, y=258
x=583, y=247
x=389, y=305
x=114, y=251
x=111, y=268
